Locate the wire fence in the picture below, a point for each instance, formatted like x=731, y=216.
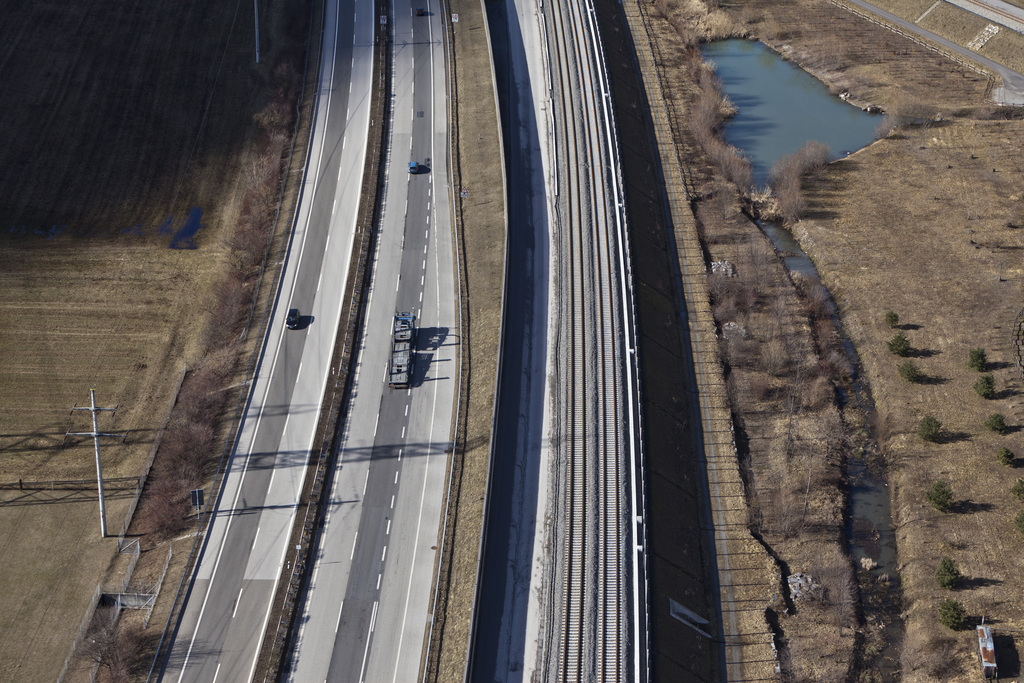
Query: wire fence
x=82, y=629
x=1017, y=343
x=144, y=476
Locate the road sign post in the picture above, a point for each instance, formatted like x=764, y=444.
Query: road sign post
x=197, y=499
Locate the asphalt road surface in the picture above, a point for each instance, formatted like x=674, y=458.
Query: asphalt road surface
x=369, y=604
x=227, y=606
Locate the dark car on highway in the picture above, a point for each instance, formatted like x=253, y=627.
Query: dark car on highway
x=292, y=321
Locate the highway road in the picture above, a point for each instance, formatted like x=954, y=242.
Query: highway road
x=368, y=607
x=227, y=605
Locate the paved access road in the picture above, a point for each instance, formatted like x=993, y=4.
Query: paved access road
x=228, y=602
x=369, y=604
x=1012, y=90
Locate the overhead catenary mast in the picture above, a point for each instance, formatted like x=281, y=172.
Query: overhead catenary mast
x=96, y=434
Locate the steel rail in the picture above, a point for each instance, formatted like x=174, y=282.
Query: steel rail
x=595, y=631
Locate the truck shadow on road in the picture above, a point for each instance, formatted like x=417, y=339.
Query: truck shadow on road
x=426, y=365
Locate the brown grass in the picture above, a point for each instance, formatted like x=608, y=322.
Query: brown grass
x=791, y=439
x=1006, y=47
x=935, y=248
x=115, y=136
x=949, y=21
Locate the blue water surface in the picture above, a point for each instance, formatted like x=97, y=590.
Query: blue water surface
x=782, y=106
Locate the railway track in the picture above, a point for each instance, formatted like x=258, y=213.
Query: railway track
x=600, y=629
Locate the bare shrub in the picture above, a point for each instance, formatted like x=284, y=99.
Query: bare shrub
x=774, y=358
x=165, y=511
x=786, y=174
x=814, y=157
x=835, y=575
x=818, y=393
x=124, y=656
x=934, y=656
x=760, y=257
x=747, y=296
x=725, y=309
x=886, y=126
x=911, y=112
x=248, y=245
x=759, y=386
x=188, y=447
x=790, y=198
x=838, y=364
x=274, y=116
x=817, y=302
x=730, y=163
x=785, y=512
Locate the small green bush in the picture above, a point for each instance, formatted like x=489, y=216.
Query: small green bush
x=948, y=575
x=892, y=319
x=1005, y=456
x=899, y=345
x=951, y=614
x=909, y=372
x=940, y=496
x=978, y=361
x=985, y=387
x=929, y=428
x=1018, y=489
x=1018, y=522
x=997, y=423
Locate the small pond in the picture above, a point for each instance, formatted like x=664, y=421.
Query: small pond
x=780, y=108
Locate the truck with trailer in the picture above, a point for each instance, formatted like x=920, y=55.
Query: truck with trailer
x=402, y=332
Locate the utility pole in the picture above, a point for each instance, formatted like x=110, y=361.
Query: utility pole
x=95, y=434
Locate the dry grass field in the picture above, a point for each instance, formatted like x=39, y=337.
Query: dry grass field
x=954, y=23
x=1006, y=47
x=124, y=130
x=960, y=26
x=890, y=228
x=935, y=248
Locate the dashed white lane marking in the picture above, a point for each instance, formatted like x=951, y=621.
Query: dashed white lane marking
x=238, y=600
x=353, y=553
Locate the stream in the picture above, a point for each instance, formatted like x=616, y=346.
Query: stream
x=780, y=107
